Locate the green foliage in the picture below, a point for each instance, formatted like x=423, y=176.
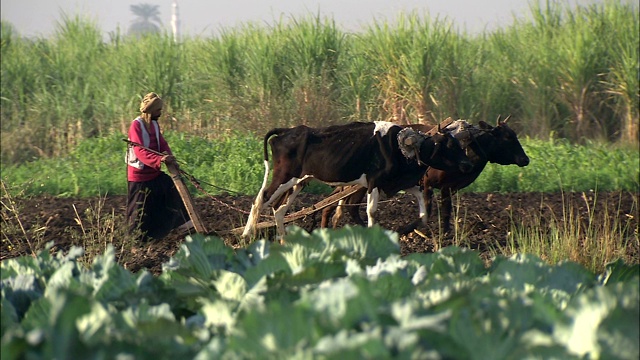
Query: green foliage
x=229, y=162
x=329, y=294
x=234, y=164
x=91, y=169
x=75, y=85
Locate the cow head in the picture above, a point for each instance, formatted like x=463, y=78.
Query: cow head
x=506, y=148
x=441, y=151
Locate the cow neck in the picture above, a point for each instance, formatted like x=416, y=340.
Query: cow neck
x=431, y=151
x=474, y=139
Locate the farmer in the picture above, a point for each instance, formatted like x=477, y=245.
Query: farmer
x=154, y=205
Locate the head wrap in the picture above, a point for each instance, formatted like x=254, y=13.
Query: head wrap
x=151, y=105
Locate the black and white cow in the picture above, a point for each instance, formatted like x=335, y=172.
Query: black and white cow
x=379, y=156
x=482, y=144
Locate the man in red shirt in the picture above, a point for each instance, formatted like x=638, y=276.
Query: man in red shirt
x=154, y=205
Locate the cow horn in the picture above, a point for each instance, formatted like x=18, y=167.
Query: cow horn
x=506, y=119
x=498, y=120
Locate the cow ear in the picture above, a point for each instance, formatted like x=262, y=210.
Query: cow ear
x=484, y=125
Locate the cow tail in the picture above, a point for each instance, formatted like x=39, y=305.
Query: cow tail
x=256, y=208
x=265, y=142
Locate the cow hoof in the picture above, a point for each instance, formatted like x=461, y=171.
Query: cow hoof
x=405, y=229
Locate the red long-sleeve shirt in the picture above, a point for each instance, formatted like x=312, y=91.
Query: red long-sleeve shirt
x=151, y=161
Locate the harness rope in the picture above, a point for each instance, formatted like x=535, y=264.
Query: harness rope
x=475, y=140
x=196, y=183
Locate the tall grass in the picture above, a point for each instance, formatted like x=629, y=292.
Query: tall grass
x=258, y=78
x=16, y=238
x=98, y=230
x=566, y=72
x=592, y=239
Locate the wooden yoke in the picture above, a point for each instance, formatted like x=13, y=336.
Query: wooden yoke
x=446, y=122
x=186, y=198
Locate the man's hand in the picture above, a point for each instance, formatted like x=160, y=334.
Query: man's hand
x=169, y=159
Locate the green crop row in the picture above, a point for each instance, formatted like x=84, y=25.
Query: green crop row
x=234, y=164
x=332, y=294
x=568, y=71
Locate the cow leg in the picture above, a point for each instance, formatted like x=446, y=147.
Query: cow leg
x=281, y=191
x=422, y=208
x=326, y=212
x=427, y=193
x=354, y=208
x=372, y=205
x=445, y=209
x=415, y=191
x=337, y=215
x=276, y=198
x=336, y=210
x=282, y=210
x=257, y=206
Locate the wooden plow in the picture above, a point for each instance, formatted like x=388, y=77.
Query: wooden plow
x=303, y=212
x=186, y=198
x=176, y=176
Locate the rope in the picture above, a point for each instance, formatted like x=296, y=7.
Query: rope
x=475, y=140
x=196, y=183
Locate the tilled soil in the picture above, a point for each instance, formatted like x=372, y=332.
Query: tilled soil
x=483, y=222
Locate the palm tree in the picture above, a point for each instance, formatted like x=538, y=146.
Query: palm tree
x=147, y=21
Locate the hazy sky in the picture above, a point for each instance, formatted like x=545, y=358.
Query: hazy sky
x=205, y=17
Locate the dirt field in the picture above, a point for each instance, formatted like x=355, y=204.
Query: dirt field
x=484, y=220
